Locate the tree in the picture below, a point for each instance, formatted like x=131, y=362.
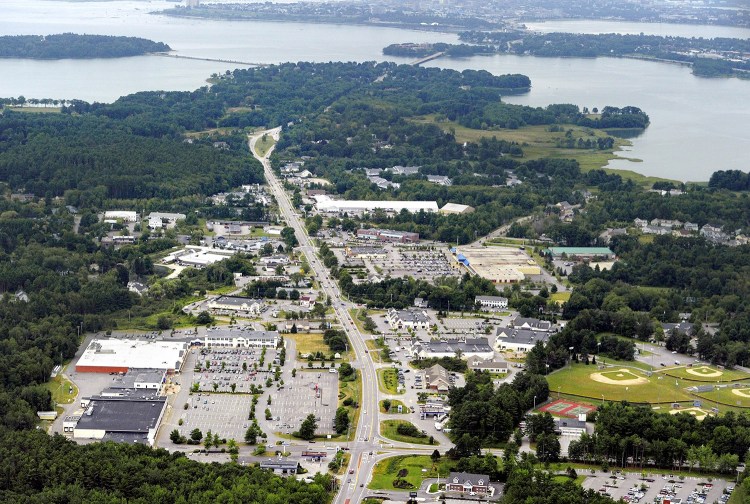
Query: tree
x=386, y=405
x=435, y=455
x=341, y=420
x=175, y=436
x=252, y=433
x=196, y=434
x=204, y=318
x=308, y=427
x=548, y=447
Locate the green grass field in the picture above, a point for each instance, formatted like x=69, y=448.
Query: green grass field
x=418, y=467
x=60, y=387
x=388, y=430
x=735, y=397
x=388, y=381
x=395, y=403
x=263, y=144
x=352, y=389
x=658, y=388
x=539, y=143
x=309, y=343
x=709, y=374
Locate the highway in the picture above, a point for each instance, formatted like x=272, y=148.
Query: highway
x=365, y=443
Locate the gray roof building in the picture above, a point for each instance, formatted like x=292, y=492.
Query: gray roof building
x=519, y=339
x=531, y=323
x=137, y=416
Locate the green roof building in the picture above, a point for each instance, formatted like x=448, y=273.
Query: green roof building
x=581, y=252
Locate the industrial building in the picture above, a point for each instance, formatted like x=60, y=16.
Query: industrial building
x=324, y=203
x=120, y=355
x=581, y=253
x=123, y=419
x=499, y=264
x=198, y=257
x=387, y=235
x=455, y=208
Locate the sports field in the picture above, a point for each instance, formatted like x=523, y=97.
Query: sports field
x=618, y=382
x=707, y=374
x=566, y=408
x=736, y=396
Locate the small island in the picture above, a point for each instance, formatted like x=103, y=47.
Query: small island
x=75, y=46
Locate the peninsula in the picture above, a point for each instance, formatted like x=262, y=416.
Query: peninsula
x=75, y=46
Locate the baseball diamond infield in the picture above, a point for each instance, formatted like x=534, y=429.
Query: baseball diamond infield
x=620, y=376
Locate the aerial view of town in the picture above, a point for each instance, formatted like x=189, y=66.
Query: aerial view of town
x=390, y=252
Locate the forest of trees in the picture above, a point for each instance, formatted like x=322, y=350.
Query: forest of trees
x=74, y=46
x=617, y=45
x=38, y=468
x=483, y=414
x=630, y=436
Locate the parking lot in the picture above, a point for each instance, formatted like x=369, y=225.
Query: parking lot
x=418, y=261
x=313, y=392
x=222, y=414
x=217, y=370
x=631, y=487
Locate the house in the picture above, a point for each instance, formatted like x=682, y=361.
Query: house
x=420, y=303
x=407, y=319
x=531, y=323
x=656, y=230
x=494, y=367
x=713, y=233
x=683, y=327
x=640, y=223
x=519, y=340
x=468, y=483
x=436, y=378
x=280, y=466
x=307, y=301
x=440, y=180
x=404, y=170
x=138, y=288
x=221, y=145
x=383, y=183
x=491, y=303
x=672, y=224
x=21, y=296
x=159, y=220
x=691, y=226
x=609, y=233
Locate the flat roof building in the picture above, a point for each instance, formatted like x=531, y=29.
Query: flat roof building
x=120, y=355
x=280, y=466
x=581, y=252
x=241, y=338
x=499, y=264
x=325, y=203
x=387, y=235
x=489, y=303
x=120, y=215
x=131, y=418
